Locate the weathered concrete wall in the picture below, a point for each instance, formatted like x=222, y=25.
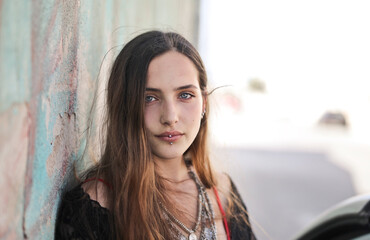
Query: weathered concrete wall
x=50, y=54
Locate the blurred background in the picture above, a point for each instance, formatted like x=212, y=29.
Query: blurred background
x=290, y=124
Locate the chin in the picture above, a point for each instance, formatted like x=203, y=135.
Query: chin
x=164, y=150
x=169, y=153
x=169, y=156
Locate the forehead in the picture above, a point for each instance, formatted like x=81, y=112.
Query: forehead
x=172, y=69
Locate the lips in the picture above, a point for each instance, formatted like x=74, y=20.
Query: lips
x=170, y=136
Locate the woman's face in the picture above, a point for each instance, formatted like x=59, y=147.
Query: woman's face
x=173, y=105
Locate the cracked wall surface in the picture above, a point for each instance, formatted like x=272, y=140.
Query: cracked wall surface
x=55, y=56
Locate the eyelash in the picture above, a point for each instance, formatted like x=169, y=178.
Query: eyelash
x=182, y=96
x=149, y=101
x=189, y=96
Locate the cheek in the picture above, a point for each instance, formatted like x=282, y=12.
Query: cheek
x=193, y=113
x=149, y=117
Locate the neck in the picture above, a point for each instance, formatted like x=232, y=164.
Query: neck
x=172, y=169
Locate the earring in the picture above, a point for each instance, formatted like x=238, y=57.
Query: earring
x=204, y=112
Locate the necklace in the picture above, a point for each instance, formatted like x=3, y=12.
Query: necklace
x=190, y=232
x=209, y=230
x=205, y=216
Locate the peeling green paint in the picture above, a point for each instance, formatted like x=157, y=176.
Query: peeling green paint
x=50, y=53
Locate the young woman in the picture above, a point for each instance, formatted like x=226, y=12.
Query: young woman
x=155, y=180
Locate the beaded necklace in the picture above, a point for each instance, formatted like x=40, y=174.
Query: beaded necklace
x=205, y=219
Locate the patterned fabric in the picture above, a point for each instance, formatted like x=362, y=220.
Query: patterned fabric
x=81, y=218
x=239, y=231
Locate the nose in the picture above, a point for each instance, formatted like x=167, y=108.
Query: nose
x=169, y=114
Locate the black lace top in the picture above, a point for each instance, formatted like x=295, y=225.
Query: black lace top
x=81, y=218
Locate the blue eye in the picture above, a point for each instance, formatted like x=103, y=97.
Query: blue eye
x=186, y=96
x=149, y=99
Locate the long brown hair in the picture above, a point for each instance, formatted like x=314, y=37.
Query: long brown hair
x=126, y=162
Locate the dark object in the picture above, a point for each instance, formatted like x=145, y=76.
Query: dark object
x=333, y=118
x=81, y=218
x=348, y=220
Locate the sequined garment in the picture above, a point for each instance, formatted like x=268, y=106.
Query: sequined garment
x=208, y=229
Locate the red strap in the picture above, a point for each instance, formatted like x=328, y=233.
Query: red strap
x=100, y=180
x=223, y=213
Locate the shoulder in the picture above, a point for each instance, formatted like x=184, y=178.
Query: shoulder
x=79, y=216
x=223, y=182
x=97, y=191
x=238, y=216
x=223, y=186
x=226, y=185
x=227, y=188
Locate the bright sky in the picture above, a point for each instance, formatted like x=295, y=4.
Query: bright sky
x=313, y=55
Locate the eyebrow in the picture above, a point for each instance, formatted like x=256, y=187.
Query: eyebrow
x=176, y=89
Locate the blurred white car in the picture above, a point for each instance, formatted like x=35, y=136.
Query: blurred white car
x=347, y=220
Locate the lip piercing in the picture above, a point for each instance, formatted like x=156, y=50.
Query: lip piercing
x=170, y=136
x=171, y=143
